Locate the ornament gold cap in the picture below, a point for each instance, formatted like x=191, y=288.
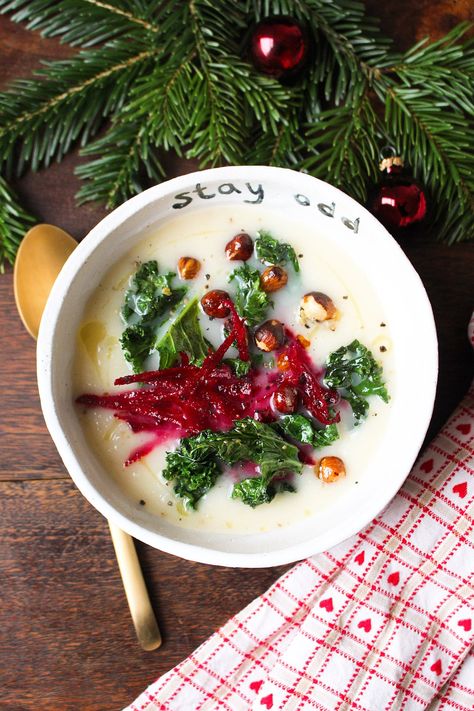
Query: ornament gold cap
x=387, y=163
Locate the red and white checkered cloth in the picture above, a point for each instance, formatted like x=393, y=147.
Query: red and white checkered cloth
x=385, y=620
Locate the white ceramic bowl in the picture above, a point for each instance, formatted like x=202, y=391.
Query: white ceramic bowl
x=376, y=254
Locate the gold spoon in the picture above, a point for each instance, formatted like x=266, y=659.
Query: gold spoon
x=41, y=255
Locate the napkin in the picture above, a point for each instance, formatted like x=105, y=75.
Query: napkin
x=385, y=620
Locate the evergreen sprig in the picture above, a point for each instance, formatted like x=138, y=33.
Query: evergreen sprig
x=174, y=76
x=14, y=221
x=83, y=23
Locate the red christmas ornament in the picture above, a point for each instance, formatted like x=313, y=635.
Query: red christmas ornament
x=398, y=201
x=278, y=46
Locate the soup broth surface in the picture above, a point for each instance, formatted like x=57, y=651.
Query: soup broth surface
x=99, y=361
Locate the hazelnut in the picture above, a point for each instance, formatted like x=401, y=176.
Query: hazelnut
x=285, y=399
x=331, y=469
x=240, y=247
x=188, y=267
x=270, y=335
x=214, y=303
x=316, y=307
x=273, y=278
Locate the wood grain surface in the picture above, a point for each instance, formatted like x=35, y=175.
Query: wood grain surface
x=66, y=639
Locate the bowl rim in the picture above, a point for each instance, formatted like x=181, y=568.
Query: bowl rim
x=49, y=324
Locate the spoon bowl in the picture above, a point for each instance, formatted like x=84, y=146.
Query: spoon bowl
x=41, y=256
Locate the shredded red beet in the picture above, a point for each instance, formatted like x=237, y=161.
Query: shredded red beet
x=186, y=399
x=302, y=374
x=213, y=359
x=240, y=331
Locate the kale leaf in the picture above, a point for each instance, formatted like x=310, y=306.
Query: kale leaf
x=354, y=370
x=254, y=441
x=270, y=251
x=195, y=464
x=250, y=440
x=150, y=295
x=182, y=335
x=257, y=490
x=327, y=435
x=137, y=343
x=239, y=366
x=193, y=467
x=250, y=300
x=148, y=300
x=253, y=491
x=302, y=429
x=242, y=367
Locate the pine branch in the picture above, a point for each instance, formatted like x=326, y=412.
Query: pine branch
x=153, y=119
x=434, y=137
x=83, y=22
x=349, y=53
x=428, y=97
x=41, y=120
x=156, y=116
x=443, y=68
x=168, y=104
x=171, y=76
x=164, y=98
x=429, y=114
x=284, y=149
x=229, y=95
x=219, y=129
x=438, y=145
x=14, y=222
x=126, y=157
x=348, y=45
x=344, y=146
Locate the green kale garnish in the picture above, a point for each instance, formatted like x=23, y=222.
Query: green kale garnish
x=258, y=360
x=150, y=295
x=302, y=429
x=354, y=371
x=242, y=367
x=250, y=440
x=182, y=335
x=326, y=435
x=257, y=442
x=148, y=300
x=239, y=366
x=137, y=343
x=257, y=490
x=270, y=251
x=195, y=464
x=253, y=491
x=193, y=467
x=250, y=300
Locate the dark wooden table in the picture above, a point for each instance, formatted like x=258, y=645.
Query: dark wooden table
x=66, y=637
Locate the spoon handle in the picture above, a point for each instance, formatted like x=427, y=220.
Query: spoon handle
x=143, y=617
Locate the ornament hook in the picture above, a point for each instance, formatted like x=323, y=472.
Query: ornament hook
x=389, y=158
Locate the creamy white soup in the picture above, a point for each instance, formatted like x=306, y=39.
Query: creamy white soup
x=203, y=236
